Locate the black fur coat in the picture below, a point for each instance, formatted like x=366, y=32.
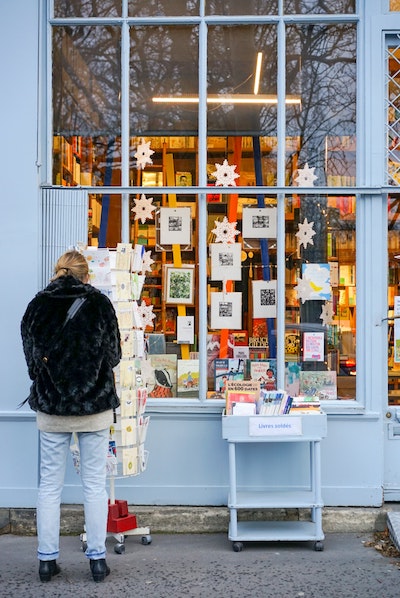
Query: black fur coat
x=78, y=377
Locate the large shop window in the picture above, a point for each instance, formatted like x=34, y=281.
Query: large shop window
x=252, y=142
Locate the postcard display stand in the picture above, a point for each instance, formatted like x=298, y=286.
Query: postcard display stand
x=127, y=456
x=310, y=428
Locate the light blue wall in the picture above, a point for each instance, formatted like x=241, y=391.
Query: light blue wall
x=18, y=239
x=188, y=458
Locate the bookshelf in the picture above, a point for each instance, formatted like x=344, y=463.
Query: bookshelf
x=240, y=430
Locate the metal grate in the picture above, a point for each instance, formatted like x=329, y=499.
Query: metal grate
x=393, y=111
x=64, y=224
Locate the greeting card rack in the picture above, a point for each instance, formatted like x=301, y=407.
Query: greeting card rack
x=239, y=430
x=117, y=274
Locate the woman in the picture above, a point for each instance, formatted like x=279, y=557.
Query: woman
x=71, y=364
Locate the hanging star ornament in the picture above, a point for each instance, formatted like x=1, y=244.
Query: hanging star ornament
x=143, y=208
x=305, y=233
x=303, y=289
x=326, y=313
x=147, y=261
x=225, y=175
x=143, y=153
x=225, y=231
x=305, y=176
x=146, y=313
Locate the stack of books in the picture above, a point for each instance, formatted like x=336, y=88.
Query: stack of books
x=274, y=402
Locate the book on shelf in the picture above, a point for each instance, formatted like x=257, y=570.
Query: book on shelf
x=242, y=397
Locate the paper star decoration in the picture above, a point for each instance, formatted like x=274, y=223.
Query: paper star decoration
x=303, y=289
x=147, y=262
x=326, y=313
x=143, y=153
x=146, y=313
x=225, y=175
x=305, y=176
x=143, y=208
x=305, y=233
x=225, y=231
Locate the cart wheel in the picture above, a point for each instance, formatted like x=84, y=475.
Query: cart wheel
x=146, y=540
x=319, y=546
x=237, y=547
x=119, y=548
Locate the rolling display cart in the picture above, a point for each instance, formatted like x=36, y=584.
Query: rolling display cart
x=309, y=428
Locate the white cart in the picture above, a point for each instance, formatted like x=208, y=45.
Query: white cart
x=309, y=428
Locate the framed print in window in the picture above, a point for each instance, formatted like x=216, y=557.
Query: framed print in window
x=226, y=261
x=264, y=298
x=179, y=284
x=259, y=223
x=175, y=226
x=226, y=310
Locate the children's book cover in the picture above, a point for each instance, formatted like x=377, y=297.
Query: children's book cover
x=321, y=384
x=264, y=372
x=162, y=383
x=227, y=369
x=188, y=378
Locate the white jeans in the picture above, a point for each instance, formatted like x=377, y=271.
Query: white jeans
x=54, y=447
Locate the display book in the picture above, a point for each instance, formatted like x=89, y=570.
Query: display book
x=112, y=272
x=245, y=397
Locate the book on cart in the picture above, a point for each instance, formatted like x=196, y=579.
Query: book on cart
x=242, y=397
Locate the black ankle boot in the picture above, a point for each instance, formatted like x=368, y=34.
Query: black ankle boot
x=47, y=569
x=99, y=569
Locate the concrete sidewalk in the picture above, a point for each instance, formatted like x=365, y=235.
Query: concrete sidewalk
x=204, y=566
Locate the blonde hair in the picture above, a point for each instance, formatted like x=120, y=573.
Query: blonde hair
x=72, y=263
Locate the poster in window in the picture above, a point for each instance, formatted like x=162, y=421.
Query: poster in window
x=264, y=298
x=175, y=226
x=226, y=310
x=226, y=261
x=259, y=223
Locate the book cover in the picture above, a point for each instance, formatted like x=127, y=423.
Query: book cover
x=264, y=372
x=156, y=344
x=163, y=379
x=240, y=392
x=227, y=369
x=188, y=378
x=319, y=384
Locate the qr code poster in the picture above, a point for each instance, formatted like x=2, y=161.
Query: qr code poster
x=264, y=298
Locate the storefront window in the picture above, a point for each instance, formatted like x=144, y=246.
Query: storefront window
x=147, y=133
x=86, y=106
x=318, y=7
x=156, y=8
x=321, y=292
x=163, y=94
x=87, y=8
x=241, y=7
x=321, y=71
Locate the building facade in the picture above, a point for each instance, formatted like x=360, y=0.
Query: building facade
x=252, y=150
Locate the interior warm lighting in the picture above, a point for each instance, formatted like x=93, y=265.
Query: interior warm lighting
x=226, y=99
x=258, y=73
